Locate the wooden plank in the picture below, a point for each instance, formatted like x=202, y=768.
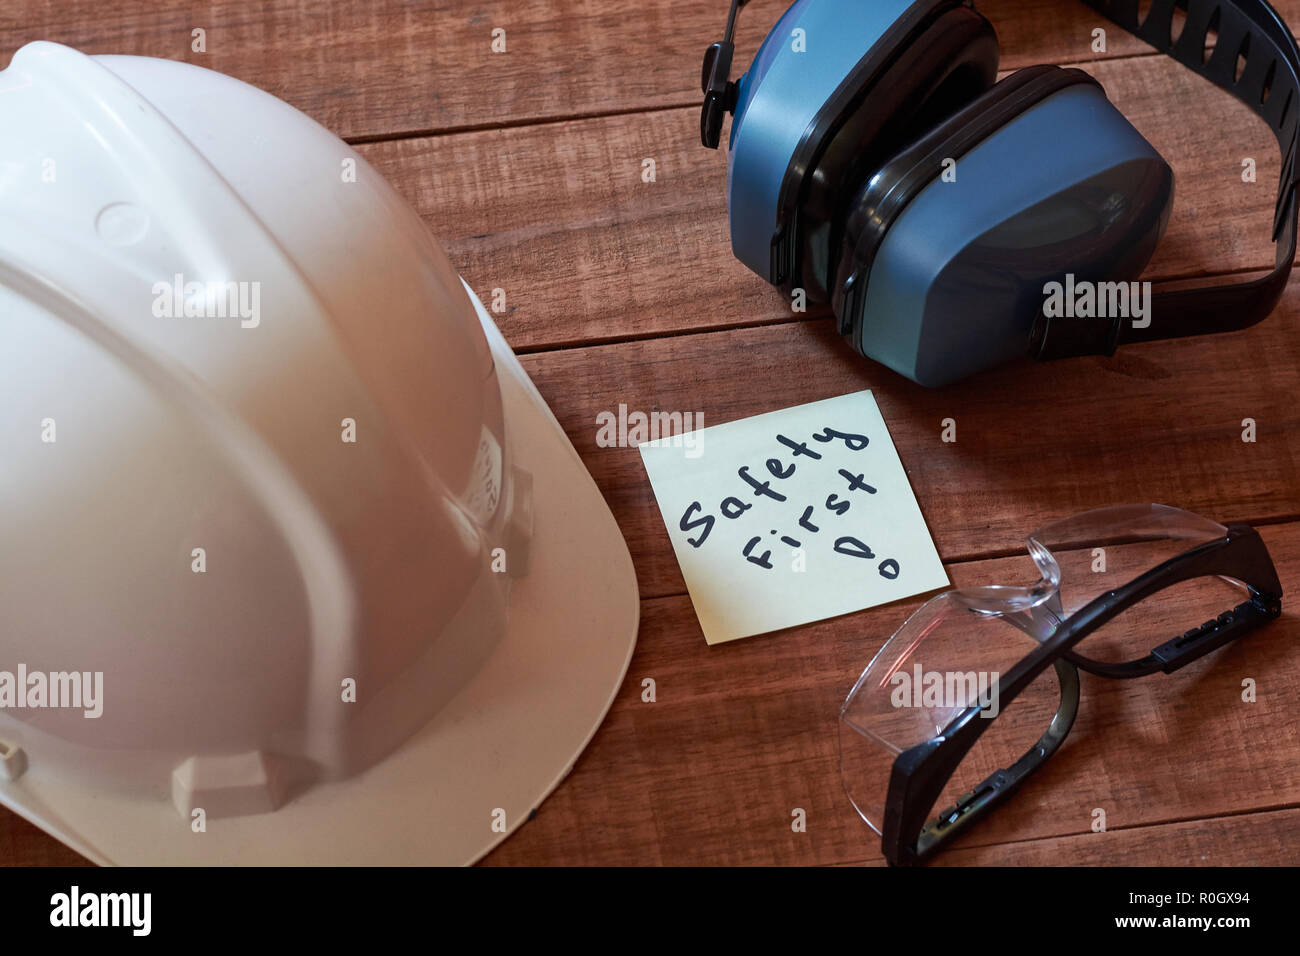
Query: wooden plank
x=372, y=70
x=1252, y=839
x=559, y=217
x=742, y=734
x=22, y=844
x=1265, y=838
x=1157, y=422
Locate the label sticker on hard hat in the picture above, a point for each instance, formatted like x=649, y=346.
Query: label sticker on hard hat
x=484, y=493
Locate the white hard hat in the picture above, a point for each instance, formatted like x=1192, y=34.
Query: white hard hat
x=271, y=470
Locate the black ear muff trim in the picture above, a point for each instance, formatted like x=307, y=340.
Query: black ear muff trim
x=883, y=198
x=934, y=59
x=1269, y=85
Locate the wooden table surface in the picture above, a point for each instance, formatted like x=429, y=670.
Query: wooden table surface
x=527, y=164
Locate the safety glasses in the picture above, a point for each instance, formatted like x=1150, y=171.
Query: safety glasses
x=980, y=686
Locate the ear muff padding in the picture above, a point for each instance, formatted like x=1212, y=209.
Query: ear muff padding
x=911, y=85
x=869, y=212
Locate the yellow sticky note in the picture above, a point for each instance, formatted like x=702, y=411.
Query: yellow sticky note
x=790, y=517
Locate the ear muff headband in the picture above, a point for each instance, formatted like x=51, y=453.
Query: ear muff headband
x=1270, y=85
x=715, y=79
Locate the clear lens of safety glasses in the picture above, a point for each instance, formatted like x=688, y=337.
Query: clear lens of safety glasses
x=1100, y=551
x=949, y=656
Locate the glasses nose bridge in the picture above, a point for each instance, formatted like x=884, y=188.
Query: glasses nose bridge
x=1049, y=568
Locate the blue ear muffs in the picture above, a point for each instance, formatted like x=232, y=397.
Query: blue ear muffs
x=954, y=224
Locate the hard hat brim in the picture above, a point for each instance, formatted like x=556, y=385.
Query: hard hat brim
x=477, y=770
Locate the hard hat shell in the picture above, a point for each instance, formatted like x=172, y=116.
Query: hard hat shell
x=271, y=471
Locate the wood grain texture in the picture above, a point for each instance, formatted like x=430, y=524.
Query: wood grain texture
x=375, y=69
x=22, y=844
x=1269, y=838
x=528, y=166
x=741, y=734
x=558, y=216
x=1264, y=838
x=1157, y=422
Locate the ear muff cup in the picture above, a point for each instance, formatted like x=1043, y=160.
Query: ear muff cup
x=904, y=86
x=939, y=278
